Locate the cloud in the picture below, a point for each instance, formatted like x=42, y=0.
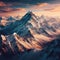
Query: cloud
x=56, y=9
x=2, y=4
x=30, y=1
x=45, y=7
x=5, y=10
x=53, y=8
x=38, y=6
x=13, y=7
x=8, y=11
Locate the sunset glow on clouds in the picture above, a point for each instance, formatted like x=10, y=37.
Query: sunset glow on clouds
x=14, y=9
x=46, y=9
x=2, y=4
x=11, y=11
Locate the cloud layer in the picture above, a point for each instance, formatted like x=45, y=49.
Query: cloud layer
x=40, y=7
x=28, y=1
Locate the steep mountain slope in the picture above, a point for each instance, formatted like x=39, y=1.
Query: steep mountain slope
x=12, y=27
x=50, y=52
x=29, y=21
x=31, y=32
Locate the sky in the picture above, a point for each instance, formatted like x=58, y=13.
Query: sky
x=38, y=7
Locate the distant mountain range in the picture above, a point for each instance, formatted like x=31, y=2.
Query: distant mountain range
x=30, y=32
x=10, y=17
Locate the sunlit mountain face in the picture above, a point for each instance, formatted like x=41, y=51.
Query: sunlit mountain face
x=30, y=30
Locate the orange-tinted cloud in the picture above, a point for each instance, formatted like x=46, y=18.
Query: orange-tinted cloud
x=2, y=4
x=41, y=5
x=38, y=9
x=11, y=11
x=46, y=9
x=54, y=8
x=7, y=9
x=38, y=6
x=3, y=10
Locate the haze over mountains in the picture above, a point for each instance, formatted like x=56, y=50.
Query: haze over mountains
x=30, y=33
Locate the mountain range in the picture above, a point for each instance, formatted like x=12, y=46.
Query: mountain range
x=30, y=33
x=32, y=22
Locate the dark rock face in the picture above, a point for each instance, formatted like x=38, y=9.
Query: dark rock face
x=17, y=25
x=50, y=52
x=0, y=42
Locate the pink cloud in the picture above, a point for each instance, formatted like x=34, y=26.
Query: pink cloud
x=2, y=4
x=11, y=11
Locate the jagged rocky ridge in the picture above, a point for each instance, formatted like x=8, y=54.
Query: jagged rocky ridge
x=29, y=20
x=31, y=32
x=50, y=51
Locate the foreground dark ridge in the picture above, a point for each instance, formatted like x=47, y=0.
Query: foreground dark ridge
x=50, y=52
